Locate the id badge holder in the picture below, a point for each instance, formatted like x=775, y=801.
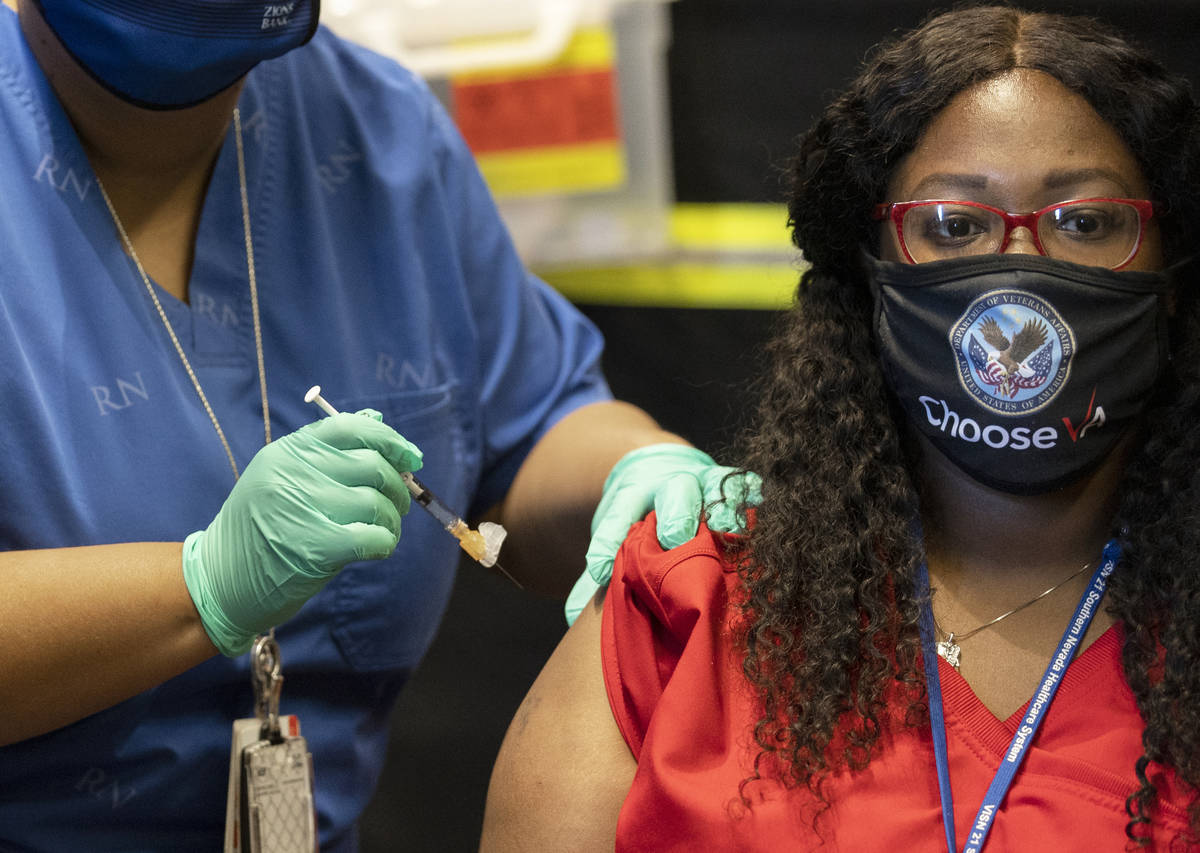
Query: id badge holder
x=269, y=807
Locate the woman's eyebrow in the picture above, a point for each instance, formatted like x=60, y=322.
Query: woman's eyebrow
x=943, y=181
x=950, y=180
x=1070, y=177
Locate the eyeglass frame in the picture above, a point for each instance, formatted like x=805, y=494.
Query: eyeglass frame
x=895, y=211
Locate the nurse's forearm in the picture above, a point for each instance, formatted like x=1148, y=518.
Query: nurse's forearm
x=81, y=629
x=548, y=510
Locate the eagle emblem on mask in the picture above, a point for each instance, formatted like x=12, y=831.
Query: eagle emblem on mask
x=1013, y=351
x=1007, y=364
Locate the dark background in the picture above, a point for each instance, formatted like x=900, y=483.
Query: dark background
x=745, y=78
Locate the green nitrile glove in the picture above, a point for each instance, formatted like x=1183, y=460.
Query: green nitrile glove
x=679, y=483
x=307, y=504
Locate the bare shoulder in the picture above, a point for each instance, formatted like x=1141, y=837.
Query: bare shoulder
x=563, y=769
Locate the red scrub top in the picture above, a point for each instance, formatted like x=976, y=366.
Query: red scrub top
x=677, y=693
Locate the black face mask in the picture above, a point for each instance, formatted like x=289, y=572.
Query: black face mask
x=1023, y=370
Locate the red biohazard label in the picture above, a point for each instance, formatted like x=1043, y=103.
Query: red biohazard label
x=537, y=111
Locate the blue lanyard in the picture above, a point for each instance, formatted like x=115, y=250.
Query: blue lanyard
x=1034, y=714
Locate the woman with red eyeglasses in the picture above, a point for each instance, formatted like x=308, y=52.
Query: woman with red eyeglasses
x=966, y=612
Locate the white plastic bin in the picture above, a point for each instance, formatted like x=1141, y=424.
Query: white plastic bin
x=624, y=221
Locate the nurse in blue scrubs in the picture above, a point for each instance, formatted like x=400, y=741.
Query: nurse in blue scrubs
x=207, y=208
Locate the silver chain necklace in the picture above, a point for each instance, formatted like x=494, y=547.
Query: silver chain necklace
x=258, y=348
x=951, y=651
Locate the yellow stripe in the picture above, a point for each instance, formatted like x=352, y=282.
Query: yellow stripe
x=680, y=285
x=730, y=226
x=586, y=167
x=590, y=49
x=736, y=256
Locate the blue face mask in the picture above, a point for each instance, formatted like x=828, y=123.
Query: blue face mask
x=168, y=54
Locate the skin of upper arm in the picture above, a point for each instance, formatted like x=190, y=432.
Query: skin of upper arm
x=564, y=768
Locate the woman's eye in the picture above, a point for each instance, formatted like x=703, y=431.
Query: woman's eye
x=1084, y=223
x=955, y=228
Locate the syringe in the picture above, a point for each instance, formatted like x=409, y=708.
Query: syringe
x=483, y=544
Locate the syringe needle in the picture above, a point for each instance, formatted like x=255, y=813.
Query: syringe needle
x=504, y=572
x=483, y=545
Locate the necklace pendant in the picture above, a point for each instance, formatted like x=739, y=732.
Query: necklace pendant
x=949, y=650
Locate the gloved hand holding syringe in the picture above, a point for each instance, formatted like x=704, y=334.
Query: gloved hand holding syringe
x=483, y=544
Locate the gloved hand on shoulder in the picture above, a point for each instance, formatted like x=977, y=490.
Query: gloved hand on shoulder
x=679, y=483
x=308, y=503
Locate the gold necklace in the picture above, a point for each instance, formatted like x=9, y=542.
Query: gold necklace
x=258, y=348
x=950, y=650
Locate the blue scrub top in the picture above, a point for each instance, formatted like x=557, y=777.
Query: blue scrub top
x=384, y=275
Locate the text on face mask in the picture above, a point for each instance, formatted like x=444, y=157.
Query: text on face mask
x=949, y=421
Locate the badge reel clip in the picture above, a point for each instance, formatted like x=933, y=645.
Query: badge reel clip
x=269, y=808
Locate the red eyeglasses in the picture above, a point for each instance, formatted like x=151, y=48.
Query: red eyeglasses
x=1100, y=232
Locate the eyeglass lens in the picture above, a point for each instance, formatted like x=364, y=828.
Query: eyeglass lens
x=1095, y=233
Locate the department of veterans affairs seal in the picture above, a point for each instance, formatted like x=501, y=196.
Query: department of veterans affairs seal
x=1013, y=351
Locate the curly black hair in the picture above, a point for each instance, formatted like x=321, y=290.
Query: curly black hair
x=830, y=616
